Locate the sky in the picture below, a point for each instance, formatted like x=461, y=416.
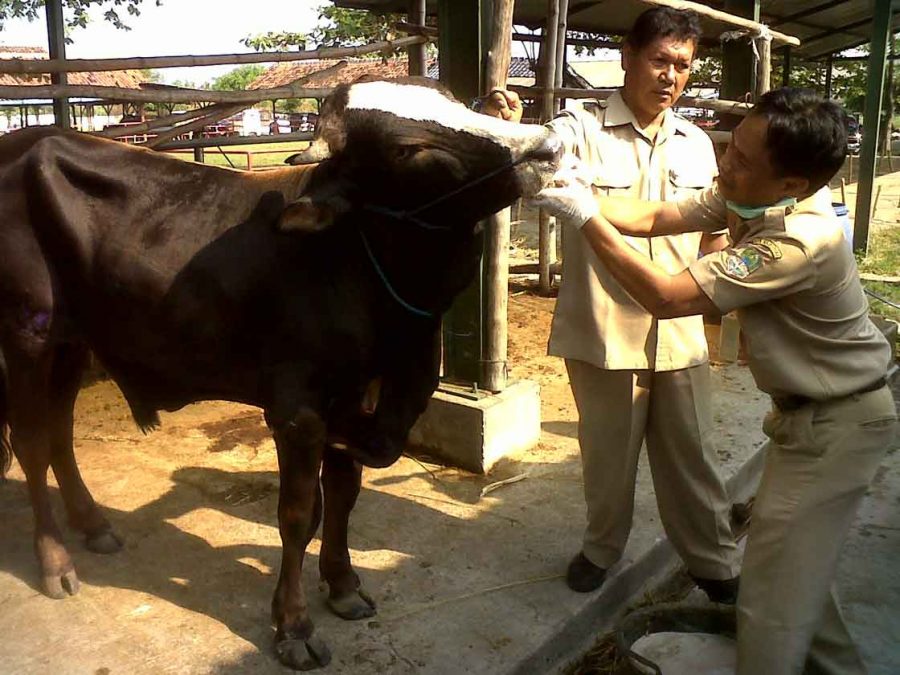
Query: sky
x=177, y=27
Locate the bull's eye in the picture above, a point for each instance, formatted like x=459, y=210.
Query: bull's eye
x=404, y=153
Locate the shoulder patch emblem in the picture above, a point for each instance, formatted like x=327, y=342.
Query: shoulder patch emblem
x=769, y=248
x=742, y=262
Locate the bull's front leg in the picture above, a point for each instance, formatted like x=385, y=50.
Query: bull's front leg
x=341, y=477
x=300, y=442
x=406, y=388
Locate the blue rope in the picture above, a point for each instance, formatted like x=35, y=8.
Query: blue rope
x=387, y=283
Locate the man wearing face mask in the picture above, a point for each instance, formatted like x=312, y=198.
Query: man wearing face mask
x=636, y=378
x=812, y=347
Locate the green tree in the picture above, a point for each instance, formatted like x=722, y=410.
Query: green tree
x=237, y=79
x=336, y=28
x=78, y=10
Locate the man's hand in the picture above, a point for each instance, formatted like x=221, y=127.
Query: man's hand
x=503, y=104
x=569, y=196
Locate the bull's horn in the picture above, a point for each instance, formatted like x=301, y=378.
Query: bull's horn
x=317, y=151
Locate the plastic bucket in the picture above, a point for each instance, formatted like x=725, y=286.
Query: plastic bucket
x=843, y=215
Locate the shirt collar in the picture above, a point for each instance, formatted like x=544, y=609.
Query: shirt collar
x=618, y=114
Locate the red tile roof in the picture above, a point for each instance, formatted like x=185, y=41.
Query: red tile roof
x=130, y=79
x=282, y=74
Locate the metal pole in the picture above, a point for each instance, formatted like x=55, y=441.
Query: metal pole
x=786, y=67
x=871, y=123
x=56, y=41
x=829, y=68
x=461, y=59
x=738, y=68
x=417, y=62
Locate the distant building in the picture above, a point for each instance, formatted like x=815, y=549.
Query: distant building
x=33, y=111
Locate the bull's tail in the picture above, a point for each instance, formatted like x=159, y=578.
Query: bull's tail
x=5, y=448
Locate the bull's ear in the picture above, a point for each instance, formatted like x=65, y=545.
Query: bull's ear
x=314, y=212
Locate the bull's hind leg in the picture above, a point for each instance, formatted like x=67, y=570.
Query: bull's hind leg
x=341, y=477
x=29, y=408
x=299, y=443
x=69, y=362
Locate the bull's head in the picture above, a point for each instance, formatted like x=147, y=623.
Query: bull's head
x=407, y=146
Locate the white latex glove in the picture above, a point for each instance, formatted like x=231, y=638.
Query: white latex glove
x=569, y=195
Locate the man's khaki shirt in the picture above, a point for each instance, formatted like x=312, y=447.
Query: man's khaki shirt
x=793, y=279
x=596, y=320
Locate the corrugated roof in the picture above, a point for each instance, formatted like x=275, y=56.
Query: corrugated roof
x=823, y=26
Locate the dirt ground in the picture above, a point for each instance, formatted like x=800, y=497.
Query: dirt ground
x=465, y=582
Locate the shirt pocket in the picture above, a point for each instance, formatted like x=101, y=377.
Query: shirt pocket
x=616, y=181
x=685, y=180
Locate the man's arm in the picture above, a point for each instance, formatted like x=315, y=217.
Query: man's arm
x=639, y=218
x=663, y=295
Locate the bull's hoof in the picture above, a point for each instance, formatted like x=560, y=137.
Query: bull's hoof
x=302, y=654
x=353, y=605
x=59, y=586
x=104, y=541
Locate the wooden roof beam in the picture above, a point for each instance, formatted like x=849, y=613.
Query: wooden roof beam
x=792, y=18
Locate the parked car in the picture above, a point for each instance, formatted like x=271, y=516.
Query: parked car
x=304, y=121
x=854, y=136
x=280, y=125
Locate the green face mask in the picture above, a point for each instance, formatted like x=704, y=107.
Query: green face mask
x=751, y=212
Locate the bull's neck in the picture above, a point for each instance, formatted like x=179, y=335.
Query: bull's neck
x=422, y=270
x=290, y=181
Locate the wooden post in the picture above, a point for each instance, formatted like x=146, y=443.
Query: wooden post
x=829, y=72
x=548, y=54
x=843, y=191
x=416, y=53
x=549, y=51
x=56, y=39
x=561, y=24
x=872, y=118
x=496, y=245
x=763, y=66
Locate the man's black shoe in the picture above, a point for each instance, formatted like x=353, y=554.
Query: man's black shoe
x=723, y=591
x=583, y=575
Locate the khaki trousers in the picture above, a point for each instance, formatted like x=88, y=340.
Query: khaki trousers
x=617, y=411
x=819, y=462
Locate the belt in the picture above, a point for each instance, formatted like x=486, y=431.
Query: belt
x=796, y=401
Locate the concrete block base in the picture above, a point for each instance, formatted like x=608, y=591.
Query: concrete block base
x=472, y=430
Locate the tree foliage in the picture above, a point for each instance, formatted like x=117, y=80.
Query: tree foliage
x=78, y=10
x=335, y=28
x=238, y=79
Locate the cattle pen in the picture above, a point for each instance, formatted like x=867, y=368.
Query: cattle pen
x=463, y=550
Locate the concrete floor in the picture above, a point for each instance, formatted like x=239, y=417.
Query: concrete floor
x=869, y=572
x=465, y=583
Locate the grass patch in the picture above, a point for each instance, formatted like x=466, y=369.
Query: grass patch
x=235, y=156
x=883, y=258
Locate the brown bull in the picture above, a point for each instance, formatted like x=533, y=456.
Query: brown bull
x=191, y=282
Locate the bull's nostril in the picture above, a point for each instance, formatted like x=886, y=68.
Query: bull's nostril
x=550, y=149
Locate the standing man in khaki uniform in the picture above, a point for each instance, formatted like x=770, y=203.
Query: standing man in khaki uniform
x=812, y=347
x=636, y=378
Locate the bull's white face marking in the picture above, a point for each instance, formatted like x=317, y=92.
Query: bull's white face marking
x=429, y=105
